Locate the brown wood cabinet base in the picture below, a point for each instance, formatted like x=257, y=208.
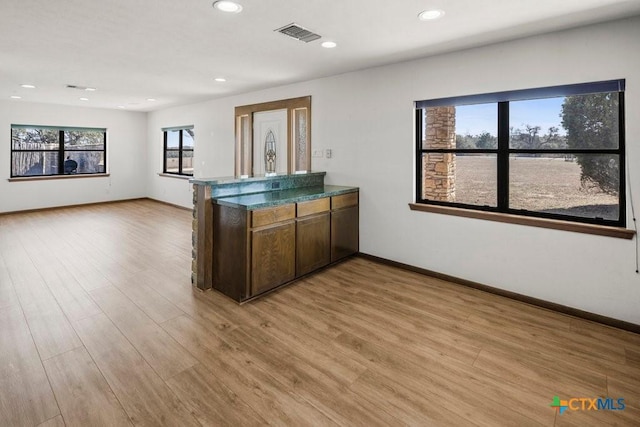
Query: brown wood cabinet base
x=313, y=243
x=297, y=279
x=273, y=257
x=257, y=251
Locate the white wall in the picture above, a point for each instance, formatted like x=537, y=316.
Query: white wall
x=366, y=118
x=209, y=130
x=126, y=157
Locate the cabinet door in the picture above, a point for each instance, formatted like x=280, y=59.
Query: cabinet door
x=313, y=239
x=344, y=233
x=273, y=256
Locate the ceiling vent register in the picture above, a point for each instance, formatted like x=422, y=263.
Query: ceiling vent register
x=298, y=33
x=77, y=87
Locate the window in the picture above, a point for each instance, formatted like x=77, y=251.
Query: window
x=178, y=150
x=49, y=151
x=555, y=152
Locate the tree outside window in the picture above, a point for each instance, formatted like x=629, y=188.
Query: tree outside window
x=43, y=150
x=552, y=152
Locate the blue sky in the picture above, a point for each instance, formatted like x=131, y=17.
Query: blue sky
x=475, y=119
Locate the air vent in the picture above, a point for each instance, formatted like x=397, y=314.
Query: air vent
x=298, y=33
x=89, y=89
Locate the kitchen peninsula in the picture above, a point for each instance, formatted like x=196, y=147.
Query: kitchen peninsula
x=252, y=235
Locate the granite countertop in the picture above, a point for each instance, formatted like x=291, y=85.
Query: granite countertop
x=238, y=180
x=281, y=197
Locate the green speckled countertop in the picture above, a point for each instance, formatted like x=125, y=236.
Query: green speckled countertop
x=274, y=198
x=248, y=179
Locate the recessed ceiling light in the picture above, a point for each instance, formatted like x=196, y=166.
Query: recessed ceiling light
x=329, y=45
x=220, y=79
x=151, y=99
x=430, y=15
x=227, y=6
x=26, y=86
x=16, y=97
x=121, y=106
x=90, y=89
x=84, y=99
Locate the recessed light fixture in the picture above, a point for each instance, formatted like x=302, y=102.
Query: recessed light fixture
x=329, y=45
x=151, y=99
x=430, y=15
x=90, y=89
x=27, y=86
x=16, y=97
x=84, y=99
x=220, y=79
x=227, y=6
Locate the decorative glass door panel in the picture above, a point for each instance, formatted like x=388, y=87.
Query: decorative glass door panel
x=243, y=145
x=270, y=142
x=301, y=157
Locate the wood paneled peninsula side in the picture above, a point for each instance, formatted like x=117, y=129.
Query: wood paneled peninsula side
x=252, y=235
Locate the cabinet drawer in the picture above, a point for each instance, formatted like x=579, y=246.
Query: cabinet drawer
x=344, y=200
x=313, y=206
x=268, y=216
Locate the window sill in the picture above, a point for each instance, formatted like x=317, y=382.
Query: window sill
x=173, y=175
x=48, y=177
x=600, y=230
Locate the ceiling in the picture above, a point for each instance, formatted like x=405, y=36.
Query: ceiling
x=172, y=50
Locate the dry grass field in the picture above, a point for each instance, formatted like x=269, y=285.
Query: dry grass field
x=537, y=184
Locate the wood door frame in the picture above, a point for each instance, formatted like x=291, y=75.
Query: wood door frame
x=245, y=112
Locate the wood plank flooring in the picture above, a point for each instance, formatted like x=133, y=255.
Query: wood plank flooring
x=99, y=325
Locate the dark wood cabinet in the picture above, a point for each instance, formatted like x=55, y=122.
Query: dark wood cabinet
x=273, y=256
x=258, y=250
x=230, y=261
x=254, y=251
x=313, y=236
x=345, y=235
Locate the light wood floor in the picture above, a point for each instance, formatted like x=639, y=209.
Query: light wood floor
x=99, y=325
